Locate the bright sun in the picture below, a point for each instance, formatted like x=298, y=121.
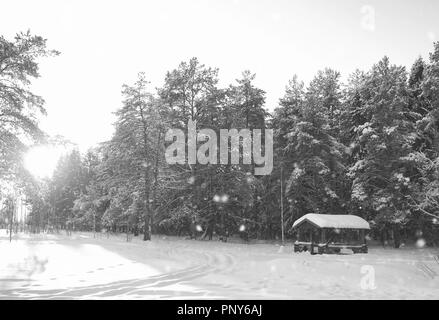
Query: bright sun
x=41, y=161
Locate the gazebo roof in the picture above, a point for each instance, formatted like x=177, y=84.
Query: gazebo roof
x=342, y=221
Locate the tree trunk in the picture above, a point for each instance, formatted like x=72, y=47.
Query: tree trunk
x=155, y=184
x=11, y=221
x=147, y=214
x=396, y=237
x=147, y=220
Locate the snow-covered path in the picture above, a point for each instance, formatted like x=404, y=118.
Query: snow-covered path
x=79, y=266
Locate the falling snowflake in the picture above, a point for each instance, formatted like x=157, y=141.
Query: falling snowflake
x=242, y=228
x=420, y=243
x=225, y=198
x=198, y=228
x=191, y=180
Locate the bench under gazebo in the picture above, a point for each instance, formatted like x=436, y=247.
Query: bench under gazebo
x=330, y=233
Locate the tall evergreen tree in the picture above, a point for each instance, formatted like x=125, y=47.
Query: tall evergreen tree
x=19, y=106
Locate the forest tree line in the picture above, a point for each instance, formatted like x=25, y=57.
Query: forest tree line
x=368, y=147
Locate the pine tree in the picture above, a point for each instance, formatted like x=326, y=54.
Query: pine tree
x=312, y=155
x=136, y=149
x=380, y=119
x=19, y=107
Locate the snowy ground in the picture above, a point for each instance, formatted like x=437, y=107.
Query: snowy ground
x=79, y=266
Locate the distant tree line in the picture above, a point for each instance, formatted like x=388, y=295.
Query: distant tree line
x=368, y=147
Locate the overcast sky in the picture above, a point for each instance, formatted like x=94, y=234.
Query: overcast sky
x=106, y=43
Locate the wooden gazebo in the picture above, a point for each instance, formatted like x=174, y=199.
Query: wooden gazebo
x=330, y=233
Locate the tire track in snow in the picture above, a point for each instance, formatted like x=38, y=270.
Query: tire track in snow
x=426, y=270
x=209, y=263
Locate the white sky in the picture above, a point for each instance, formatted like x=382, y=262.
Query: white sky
x=106, y=43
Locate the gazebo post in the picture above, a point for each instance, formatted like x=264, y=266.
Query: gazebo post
x=363, y=236
x=322, y=249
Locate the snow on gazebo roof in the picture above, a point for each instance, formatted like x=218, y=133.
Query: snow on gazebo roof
x=341, y=221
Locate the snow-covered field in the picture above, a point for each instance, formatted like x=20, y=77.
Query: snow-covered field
x=82, y=267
